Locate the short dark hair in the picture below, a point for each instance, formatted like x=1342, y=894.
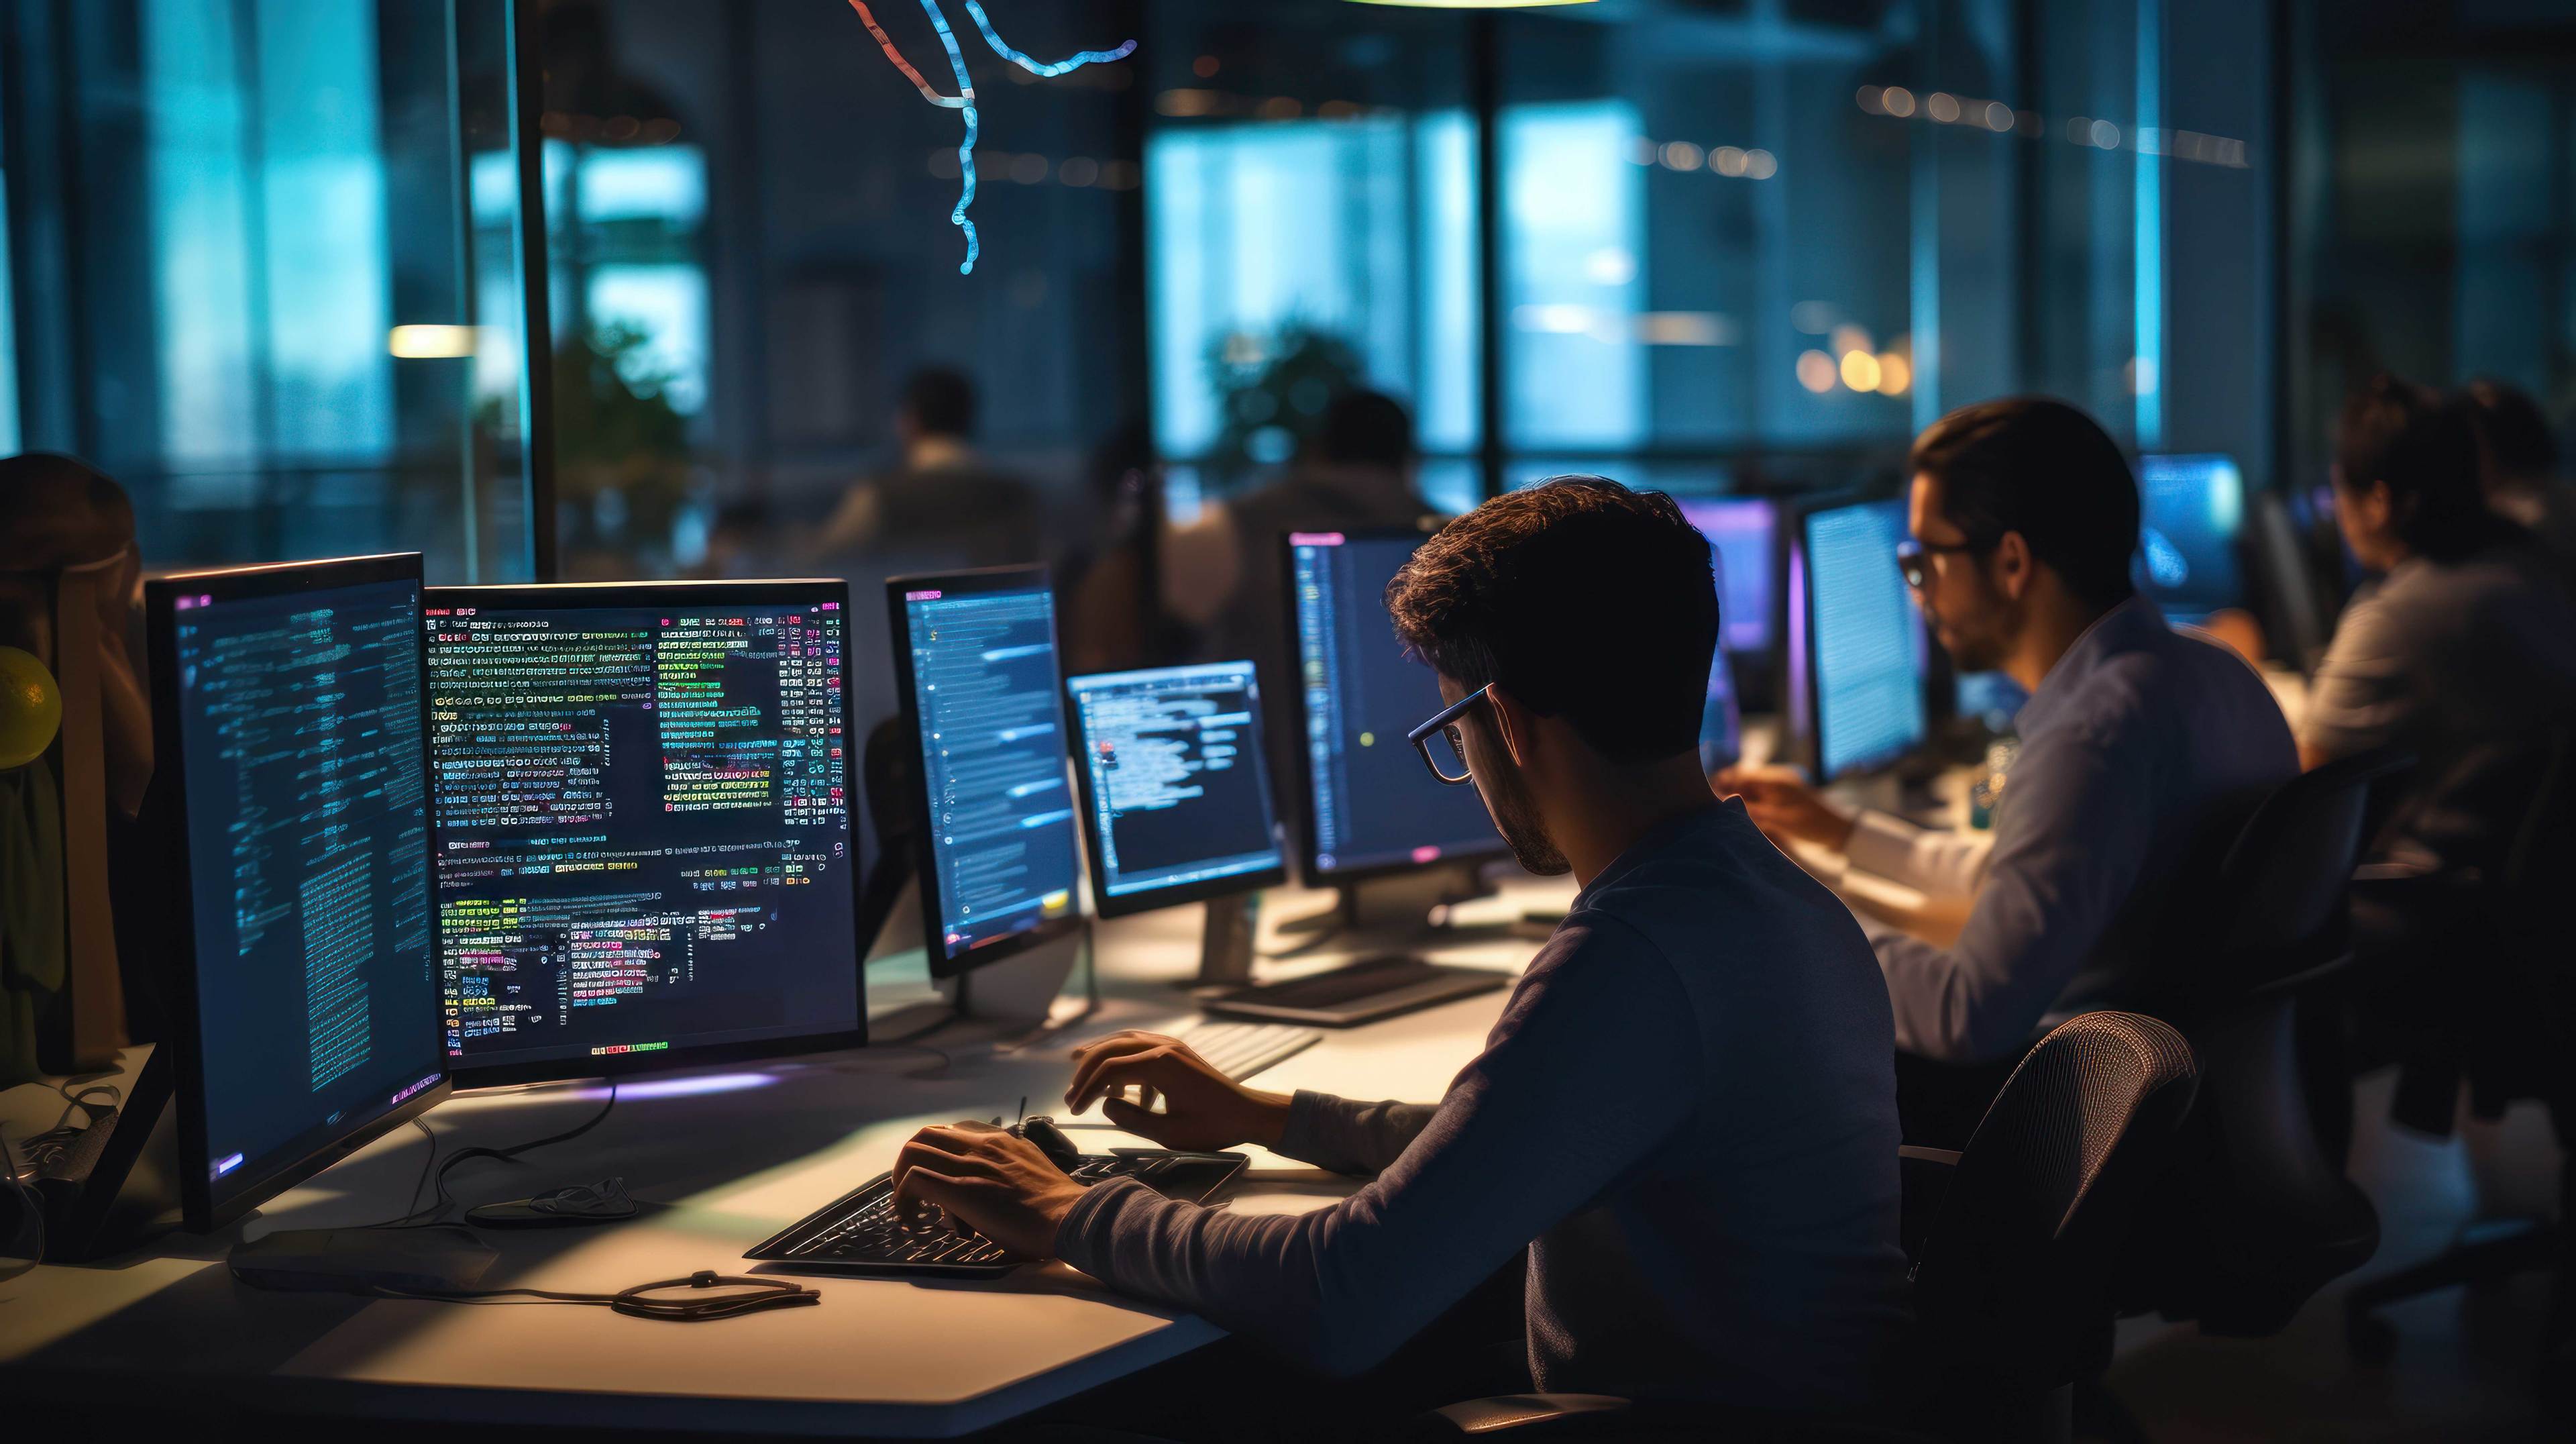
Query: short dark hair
x=2037, y=466
x=1364, y=428
x=1584, y=599
x=940, y=401
x=2517, y=435
x=2425, y=447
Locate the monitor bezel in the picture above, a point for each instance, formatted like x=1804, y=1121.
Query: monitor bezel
x=925, y=869
x=200, y=1210
x=1103, y=904
x=1812, y=683
x=1309, y=870
x=650, y=594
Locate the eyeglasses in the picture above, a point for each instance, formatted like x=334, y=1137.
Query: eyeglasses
x=1442, y=745
x=1914, y=558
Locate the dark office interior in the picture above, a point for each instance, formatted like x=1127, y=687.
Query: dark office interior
x=860, y=673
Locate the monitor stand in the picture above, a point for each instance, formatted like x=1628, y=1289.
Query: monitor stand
x=132, y=1192
x=1376, y=985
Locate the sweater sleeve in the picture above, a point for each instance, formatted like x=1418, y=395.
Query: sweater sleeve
x=1541, y=1124
x=1349, y=1137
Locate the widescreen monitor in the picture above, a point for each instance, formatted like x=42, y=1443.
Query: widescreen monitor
x=2192, y=513
x=975, y=657
x=645, y=855
x=1369, y=805
x=1176, y=793
x=293, y=797
x=1866, y=652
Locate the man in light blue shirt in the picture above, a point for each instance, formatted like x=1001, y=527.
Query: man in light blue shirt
x=2139, y=745
x=1686, y=1115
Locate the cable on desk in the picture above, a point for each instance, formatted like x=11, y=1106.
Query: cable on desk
x=755, y=1295
x=442, y=1205
x=44, y=1152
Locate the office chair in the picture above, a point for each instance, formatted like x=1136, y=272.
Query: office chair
x=2503, y=1009
x=2256, y=1215
x=2012, y=1286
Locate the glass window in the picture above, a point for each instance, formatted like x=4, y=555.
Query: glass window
x=246, y=279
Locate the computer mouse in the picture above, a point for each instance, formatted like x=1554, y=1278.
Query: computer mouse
x=1050, y=1140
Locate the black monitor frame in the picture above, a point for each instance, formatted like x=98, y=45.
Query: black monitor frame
x=200, y=1210
x=1806, y=669
x=1102, y=903
x=924, y=864
x=1309, y=870
x=560, y=596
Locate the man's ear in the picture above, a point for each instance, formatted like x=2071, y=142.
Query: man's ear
x=1513, y=724
x=2015, y=567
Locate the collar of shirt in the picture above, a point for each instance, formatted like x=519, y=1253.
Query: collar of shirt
x=1662, y=836
x=2124, y=628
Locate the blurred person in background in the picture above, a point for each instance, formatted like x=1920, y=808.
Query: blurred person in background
x=941, y=494
x=2520, y=460
x=2465, y=643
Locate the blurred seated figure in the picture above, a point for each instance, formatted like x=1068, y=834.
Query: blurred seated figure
x=2519, y=458
x=941, y=495
x=1221, y=573
x=2465, y=644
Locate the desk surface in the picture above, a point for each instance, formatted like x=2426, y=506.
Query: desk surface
x=721, y=1158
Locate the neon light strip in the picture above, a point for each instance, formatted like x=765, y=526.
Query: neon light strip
x=1040, y=67
x=964, y=100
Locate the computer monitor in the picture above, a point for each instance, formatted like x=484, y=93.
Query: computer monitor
x=1744, y=532
x=2192, y=511
x=644, y=847
x=1865, y=650
x=1176, y=795
x=292, y=796
x=1721, y=719
x=1369, y=807
x=975, y=657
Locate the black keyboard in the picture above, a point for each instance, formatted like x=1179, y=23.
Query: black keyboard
x=858, y=1232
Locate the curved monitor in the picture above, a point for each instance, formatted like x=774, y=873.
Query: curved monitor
x=1368, y=805
x=975, y=660
x=645, y=855
x=292, y=793
x=1176, y=799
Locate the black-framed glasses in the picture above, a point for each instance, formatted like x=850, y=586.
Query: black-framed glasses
x=1442, y=745
x=1914, y=558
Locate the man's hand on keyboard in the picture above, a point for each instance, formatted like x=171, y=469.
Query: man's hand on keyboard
x=987, y=1180
x=1202, y=1108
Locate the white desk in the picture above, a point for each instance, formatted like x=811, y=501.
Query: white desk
x=718, y=1171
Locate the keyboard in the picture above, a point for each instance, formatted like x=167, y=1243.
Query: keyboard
x=1239, y=1050
x=858, y=1232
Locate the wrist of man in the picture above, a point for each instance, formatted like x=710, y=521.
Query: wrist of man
x=1266, y=1117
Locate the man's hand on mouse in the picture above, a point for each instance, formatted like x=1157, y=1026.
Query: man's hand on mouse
x=1202, y=1108
x=986, y=1179
x=1785, y=807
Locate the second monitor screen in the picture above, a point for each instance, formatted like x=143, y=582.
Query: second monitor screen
x=1173, y=777
x=1373, y=806
x=643, y=838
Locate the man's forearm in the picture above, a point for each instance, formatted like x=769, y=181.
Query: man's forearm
x=1348, y=1137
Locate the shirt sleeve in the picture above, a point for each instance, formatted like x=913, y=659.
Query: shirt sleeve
x=1349, y=1137
x=2067, y=847
x=1940, y=864
x=1536, y=1129
x=2365, y=694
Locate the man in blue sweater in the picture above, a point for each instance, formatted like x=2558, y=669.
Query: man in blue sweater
x=1687, y=1113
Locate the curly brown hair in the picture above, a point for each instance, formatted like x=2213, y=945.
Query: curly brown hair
x=1584, y=599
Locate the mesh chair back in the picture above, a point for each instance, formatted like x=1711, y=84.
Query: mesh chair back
x=2016, y=1271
